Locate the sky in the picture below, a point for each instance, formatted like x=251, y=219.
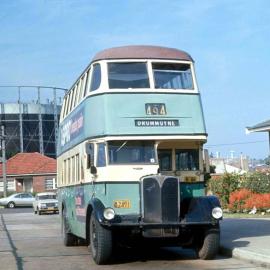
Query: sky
x=50, y=42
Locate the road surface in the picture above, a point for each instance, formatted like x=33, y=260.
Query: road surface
x=32, y=242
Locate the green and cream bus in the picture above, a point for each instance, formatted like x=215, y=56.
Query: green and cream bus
x=130, y=155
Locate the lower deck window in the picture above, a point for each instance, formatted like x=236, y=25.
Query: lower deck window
x=101, y=155
x=187, y=159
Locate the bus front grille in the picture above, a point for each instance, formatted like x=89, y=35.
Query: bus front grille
x=160, y=199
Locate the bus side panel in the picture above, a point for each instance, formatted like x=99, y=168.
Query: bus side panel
x=75, y=201
x=123, y=197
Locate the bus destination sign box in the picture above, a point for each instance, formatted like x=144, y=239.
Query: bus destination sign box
x=156, y=123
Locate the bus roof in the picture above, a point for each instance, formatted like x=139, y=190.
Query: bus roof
x=142, y=52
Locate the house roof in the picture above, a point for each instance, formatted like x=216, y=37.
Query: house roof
x=142, y=52
x=261, y=127
x=30, y=164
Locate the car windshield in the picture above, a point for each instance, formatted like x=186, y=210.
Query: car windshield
x=172, y=76
x=128, y=75
x=130, y=152
x=47, y=197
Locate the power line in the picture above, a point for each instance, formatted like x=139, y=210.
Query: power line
x=237, y=143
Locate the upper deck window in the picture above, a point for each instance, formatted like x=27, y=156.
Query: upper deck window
x=96, y=77
x=172, y=76
x=128, y=75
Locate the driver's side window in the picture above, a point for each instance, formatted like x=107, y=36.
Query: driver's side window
x=165, y=159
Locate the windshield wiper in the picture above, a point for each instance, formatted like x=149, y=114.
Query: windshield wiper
x=118, y=149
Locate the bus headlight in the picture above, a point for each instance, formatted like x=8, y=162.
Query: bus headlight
x=109, y=213
x=217, y=213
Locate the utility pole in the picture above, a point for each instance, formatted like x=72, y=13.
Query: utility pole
x=3, y=146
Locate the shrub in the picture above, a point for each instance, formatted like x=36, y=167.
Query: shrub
x=224, y=186
x=245, y=199
x=260, y=201
x=257, y=182
x=237, y=199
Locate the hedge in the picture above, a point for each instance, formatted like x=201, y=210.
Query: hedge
x=256, y=182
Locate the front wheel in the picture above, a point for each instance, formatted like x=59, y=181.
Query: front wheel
x=208, y=245
x=100, y=241
x=11, y=205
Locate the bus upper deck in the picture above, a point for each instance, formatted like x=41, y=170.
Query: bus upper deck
x=133, y=91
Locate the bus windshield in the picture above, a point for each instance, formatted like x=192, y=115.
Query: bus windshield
x=187, y=159
x=128, y=75
x=130, y=152
x=172, y=76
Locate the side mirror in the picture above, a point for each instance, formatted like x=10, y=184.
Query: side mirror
x=88, y=165
x=89, y=149
x=93, y=170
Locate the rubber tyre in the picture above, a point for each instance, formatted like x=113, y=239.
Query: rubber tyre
x=209, y=245
x=11, y=205
x=69, y=239
x=100, y=242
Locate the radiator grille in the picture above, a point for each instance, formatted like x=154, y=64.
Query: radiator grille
x=160, y=199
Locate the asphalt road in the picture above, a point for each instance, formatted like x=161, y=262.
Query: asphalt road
x=16, y=210
x=32, y=242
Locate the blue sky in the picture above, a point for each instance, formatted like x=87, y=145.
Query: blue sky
x=50, y=42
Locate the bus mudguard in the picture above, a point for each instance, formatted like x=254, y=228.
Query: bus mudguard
x=98, y=208
x=199, y=209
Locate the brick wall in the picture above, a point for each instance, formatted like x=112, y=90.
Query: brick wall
x=39, y=183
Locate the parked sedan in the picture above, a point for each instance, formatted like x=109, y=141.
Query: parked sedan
x=17, y=199
x=45, y=202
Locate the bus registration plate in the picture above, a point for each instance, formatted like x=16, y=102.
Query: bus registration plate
x=122, y=204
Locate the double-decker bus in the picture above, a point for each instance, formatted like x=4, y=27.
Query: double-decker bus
x=130, y=155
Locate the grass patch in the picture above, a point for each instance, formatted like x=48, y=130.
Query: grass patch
x=245, y=215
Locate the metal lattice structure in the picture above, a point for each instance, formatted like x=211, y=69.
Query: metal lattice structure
x=31, y=124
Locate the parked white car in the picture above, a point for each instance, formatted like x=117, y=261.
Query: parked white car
x=45, y=202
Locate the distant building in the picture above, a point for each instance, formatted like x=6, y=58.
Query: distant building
x=31, y=126
x=235, y=165
x=29, y=172
x=262, y=168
